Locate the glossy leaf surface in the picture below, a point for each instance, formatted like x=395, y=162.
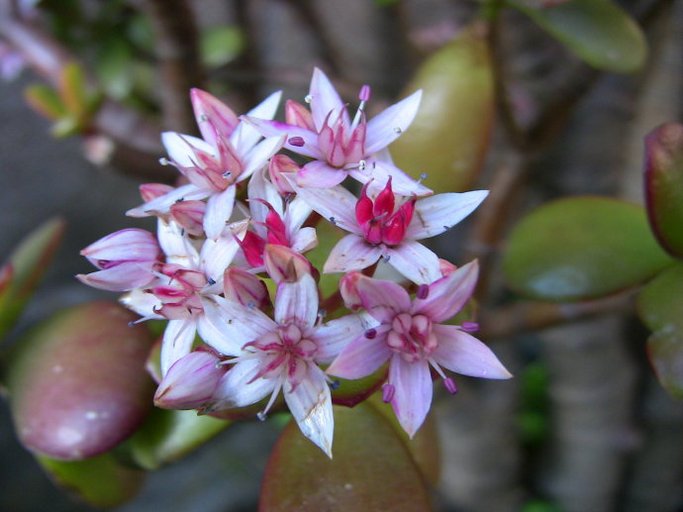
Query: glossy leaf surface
x=597, y=31
x=660, y=303
x=450, y=135
x=664, y=185
x=77, y=383
x=100, y=481
x=581, y=247
x=666, y=354
x=371, y=469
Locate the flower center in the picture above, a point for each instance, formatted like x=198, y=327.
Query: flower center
x=378, y=220
x=412, y=337
x=180, y=296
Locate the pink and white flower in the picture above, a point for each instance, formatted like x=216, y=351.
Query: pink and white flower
x=283, y=354
x=410, y=335
x=340, y=146
x=229, y=153
x=389, y=227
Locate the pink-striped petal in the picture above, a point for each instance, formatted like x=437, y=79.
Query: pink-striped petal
x=162, y=204
x=297, y=301
x=324, y=99
x=337, y=205
x=351, y=253
x=176, y=245
x=177, y=341
x=387, y=126
x=333, y=336
x=310, y=403
x=143, y=303
x=462, y=353
x=125, y=245
x=121, y=278
x=304, y=240
x=190, y=381
x=212, y=328
x=361, y=357
x=447, y=296
x=214, y=118
x=414, y=261
x=181, y=148
x=218, y=211
x=319, y=174
x=242, y=324
x=246, y=135
x=375, y=294
x=437, y=214
x=235, y=388
x=412, y=392
x=297, y=213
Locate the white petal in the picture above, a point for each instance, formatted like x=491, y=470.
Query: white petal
x=260, y=188
x=212, y=328
x=465, y=354
x=243, y=324
x=351, y=253
x=319, y=174
x=297, y=301
x=304, y=240
x=218, y=211
x=414, y=261
x=436, y=214
x=143, y=303
x=311, y=405
x=324, y=99
x=121, y=278
x=217, y=254
x=258, y=157
x=296, y=214
x=335, y=203
x=176, y=245
x=333, y=336
x=162, y=204
x=246, y=135
x=361, y=358
x=177, y=341
x=278, y=128
x=413, y=392
x=181, y=147
x=401, y=183
x=388, y=125
x=449, y=294
x=233, y=390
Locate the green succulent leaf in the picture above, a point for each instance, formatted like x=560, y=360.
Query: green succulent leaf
x=666, y=355
x=371, y=469
x=45, y=100
x=220, y=45
x=660, y=303
x=100, y=481
x=24, y=269
x=664, y=185
x=580, y=248
x=597, y=31
x=450, y=134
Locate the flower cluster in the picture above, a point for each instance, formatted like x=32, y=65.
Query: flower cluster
x=227, y=268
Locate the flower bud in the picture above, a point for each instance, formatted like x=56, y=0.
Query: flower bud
x=244, y=287
x=284, y=264
x=279, y=169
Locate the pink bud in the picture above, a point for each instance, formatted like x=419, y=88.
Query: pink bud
x=189, y=215
x=298, y=115
x=190, y=382
x=348, y=286
x=279, y=168
x=284, y=264
x=446, y=267
x=244, y=287
x=215, y=119
x=149, y=191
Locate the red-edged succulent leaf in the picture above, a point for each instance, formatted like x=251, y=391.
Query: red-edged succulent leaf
x=25, y=267
x=581, y=247
x=664, y=185
x=100, y=481
x=597, y=31
x=666, y=355
x=353, y=392
x=166, y=436
x=77, y=382
x=450, y=134
x=371, y=469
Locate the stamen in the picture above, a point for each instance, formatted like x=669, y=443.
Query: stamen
x=164, y=161
x=364, y=94
x=308, y=98
x=422, y=291
x=333, y=221
x=296, y=141
x=203, y=117
x=211, y=281
x=469, y=326
x=334, y=384
x=423, y=176
x=262, y=415
x=227, y=174
x=450, y=385
x=388, y=391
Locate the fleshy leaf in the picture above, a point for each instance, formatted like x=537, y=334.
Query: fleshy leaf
x=664, y=185
x=220, y=45
x=450, y=134
x=581, y=247
x=77, y=383
x=100, y=481
x=660, y=303
x=28, y=262
x=45, y=101
x=371, y=469
x=597, y=31
x=353, y=392
x=666, y=354
x=169, y=435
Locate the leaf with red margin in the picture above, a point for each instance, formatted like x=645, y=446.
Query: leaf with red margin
x=664, y=185
x=371, y=469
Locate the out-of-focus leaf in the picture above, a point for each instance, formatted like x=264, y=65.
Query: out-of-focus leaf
x=73, y=89
x=371, y=469
x=597, y=31
x=169, y=435
x=45, y=101
x=581, y=247
x=664, y=185
x=100, y=481
x=115, y=68
x=77, y=383
x=220, y=45
x=328, y=236
x=424, y=446
x=450, y=134
x=660, y=303
x=28, y=262
x=666, y=355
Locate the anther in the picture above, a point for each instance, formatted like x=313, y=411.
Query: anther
x=423, y=176
x=362, y=165
x=469, y=326
x=308, y=98
x=364, y=94
x=211, y=281
x=164, y=161
x=371, y=334
x=422, y=291
x=388, y=391
x=333, y=221
x=227, y=174
x=261, y=415
x=296, y=141
x=203, y=117
x=334, y=385
x=450, y=385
